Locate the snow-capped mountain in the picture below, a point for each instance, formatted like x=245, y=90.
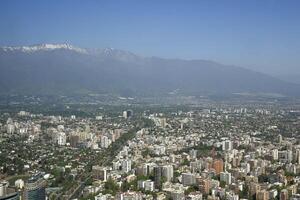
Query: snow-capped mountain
x=101, y=53
x=113, y=53
x=66, y=69
x=43, y=47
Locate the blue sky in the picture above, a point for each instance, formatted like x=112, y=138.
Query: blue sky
x=262, y=35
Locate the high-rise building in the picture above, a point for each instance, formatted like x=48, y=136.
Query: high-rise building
x=167, y=172
x=193, y=153
x=218, y=166
x=279, y=138
x=61, y=138
x=35, y=188
x=99, y=173
x=195, y=166
x=10, y=128
x=126, y=166
x=127, y=114
x=253, y=188
x=275, y=154
x=141, y=170
x=289, y=155
x=188, y=179
x=163, y=122
x=236, y=161
x=74, y=140
x=99, y=117
x=205, y=186
x=105, y=141
x=262, y=195
x=298, y=156
x=245, y=167
x=157, y=176
x=284, y=195
x=147, y=185
x=227, y=145
x=226, y=177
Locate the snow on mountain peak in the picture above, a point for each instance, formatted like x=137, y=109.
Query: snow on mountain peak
x=43, y=47
x=102, y=53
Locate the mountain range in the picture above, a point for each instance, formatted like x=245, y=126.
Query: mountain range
x=64, y=69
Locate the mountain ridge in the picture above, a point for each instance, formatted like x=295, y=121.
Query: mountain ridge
x=66, y=69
